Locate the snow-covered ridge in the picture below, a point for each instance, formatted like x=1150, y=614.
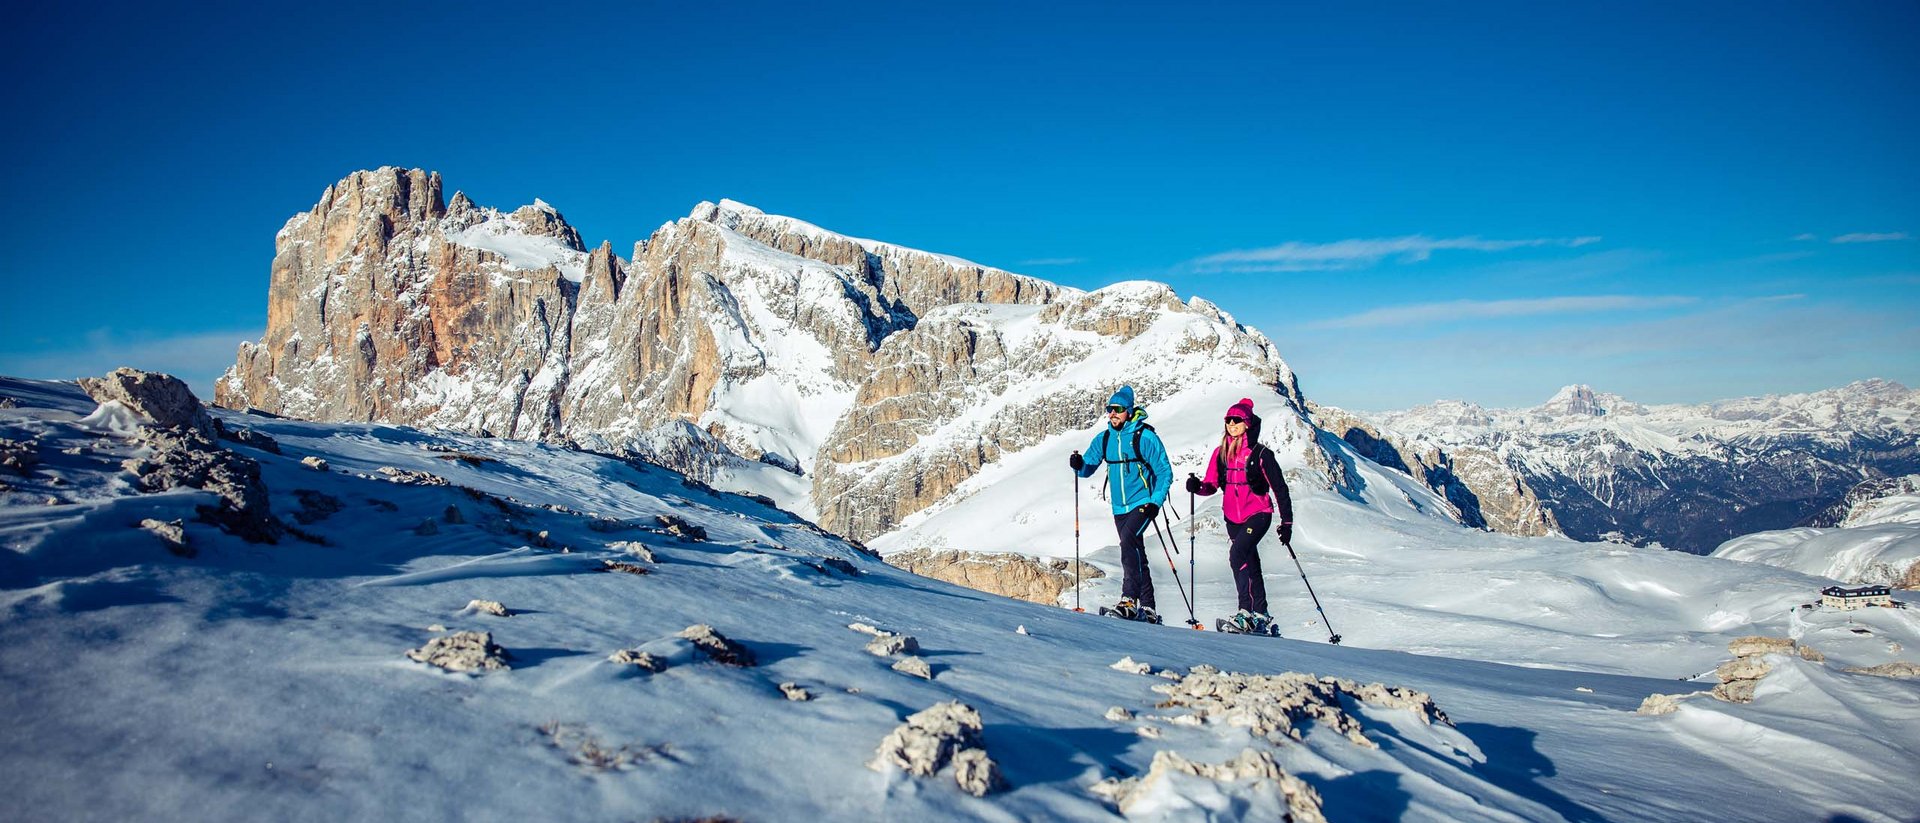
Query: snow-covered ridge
x=1877, y=539
x=523, y=251
x=732, y=212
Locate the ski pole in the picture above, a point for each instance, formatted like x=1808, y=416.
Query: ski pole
x=1193, y=577
x=1076, y=541
x=1177, y=585
x=1331, y=637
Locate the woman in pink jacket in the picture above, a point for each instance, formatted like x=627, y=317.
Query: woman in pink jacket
x=1253, y=483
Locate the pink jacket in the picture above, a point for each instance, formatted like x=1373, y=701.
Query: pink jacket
x=1240, y=502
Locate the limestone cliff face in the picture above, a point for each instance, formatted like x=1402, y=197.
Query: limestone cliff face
x=877, y=379
x=370, y=301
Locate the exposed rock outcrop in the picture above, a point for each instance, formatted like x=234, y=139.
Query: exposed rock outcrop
x=161, y=399
x=1008, y=575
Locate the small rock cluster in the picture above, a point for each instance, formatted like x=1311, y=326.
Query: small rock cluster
x=930, y=740
x=462, y=652
x=492, y=607
x=1303, y=803
x=18, y=457
x=676, y=527
x=1272, y=706
x=410, y=477
x=888, y=644
x=623, y=567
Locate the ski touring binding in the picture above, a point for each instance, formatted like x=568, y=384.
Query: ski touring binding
x=1129, y=610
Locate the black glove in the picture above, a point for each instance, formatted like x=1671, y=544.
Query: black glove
x=1286, y=533
x=1193, y=484
x=1152, y=510
x=1077, y=462
x=1257, y=482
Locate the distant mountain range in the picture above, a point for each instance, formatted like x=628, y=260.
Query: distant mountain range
x=1688, y=477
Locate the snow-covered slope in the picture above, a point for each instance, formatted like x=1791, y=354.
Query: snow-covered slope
x=1685, y=476
x=1877, y=540
x=270, y=681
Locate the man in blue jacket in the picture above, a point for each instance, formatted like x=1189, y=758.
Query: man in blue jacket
x=1138, y=477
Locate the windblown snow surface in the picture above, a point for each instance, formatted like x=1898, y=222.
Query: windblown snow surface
x=252, y=682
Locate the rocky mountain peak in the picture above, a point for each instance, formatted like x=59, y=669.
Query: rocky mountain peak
x=1577, y=400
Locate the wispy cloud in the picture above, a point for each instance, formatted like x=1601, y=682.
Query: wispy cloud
x=1362, y=252
x=1455, y=310
x=1872, y=237
x=1806, y=237
x=1052, y=261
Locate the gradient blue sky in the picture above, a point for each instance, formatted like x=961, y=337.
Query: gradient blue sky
x=1675, y=202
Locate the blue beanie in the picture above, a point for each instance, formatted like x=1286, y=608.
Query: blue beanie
x=1123, y=397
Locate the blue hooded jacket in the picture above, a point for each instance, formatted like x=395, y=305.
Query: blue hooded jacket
x=1132, y=479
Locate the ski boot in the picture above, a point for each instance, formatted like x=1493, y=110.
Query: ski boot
x=1263, y=624
x=1239, y=622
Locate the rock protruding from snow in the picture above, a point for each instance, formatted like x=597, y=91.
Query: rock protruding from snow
x=1898, y=669
x=161, y=399
x=462, y=652
x=717, y=646
x=1128, y=664
x=931, y=739
x=182, y=456
x=635, y=657
x=914, y=666
x=1008, y=575
x=492, y=607
x=1301, y=804
x=1272, y=706
x=888, y=645
x=171, y=532
x=795, y=692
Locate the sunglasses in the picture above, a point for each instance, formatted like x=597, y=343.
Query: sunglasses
x=1116, y=409
x=1233, y=420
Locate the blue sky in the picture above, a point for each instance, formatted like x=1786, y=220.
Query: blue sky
x=1413, y=201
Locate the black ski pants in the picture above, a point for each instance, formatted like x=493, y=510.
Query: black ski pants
x=1245, y=559
x=1136, y=582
